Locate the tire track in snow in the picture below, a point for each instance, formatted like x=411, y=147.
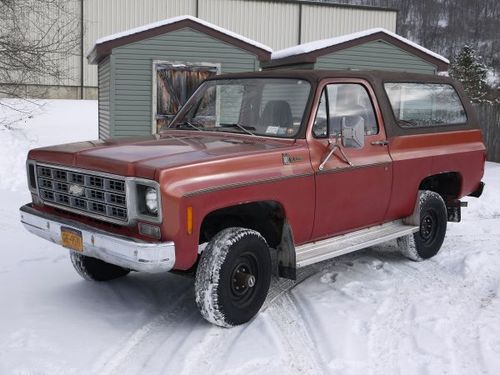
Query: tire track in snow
x=144, y=341
x=391, y=319
x=140, y=349
x=398, y=316
x=282, y=286
x=299, y=347
x=217, y=342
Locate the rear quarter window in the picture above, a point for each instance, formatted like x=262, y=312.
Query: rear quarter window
x=425, y=104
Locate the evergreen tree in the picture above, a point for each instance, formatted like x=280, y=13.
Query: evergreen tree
x=468, y=68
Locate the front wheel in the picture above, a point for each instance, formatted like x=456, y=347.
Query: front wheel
x=433, y=221
x=233, y=277
x=93, y=269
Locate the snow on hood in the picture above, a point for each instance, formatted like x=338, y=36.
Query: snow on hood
x=169, y=21
x=324, y=43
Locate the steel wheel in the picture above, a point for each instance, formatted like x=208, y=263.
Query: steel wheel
x=233, y=277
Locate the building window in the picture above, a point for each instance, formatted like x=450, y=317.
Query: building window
x=174, y=84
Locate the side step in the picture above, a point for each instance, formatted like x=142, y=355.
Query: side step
x=333, y=247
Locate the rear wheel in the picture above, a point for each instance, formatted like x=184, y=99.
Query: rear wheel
x=233, y=277
x=433, y=221
x=93, y=269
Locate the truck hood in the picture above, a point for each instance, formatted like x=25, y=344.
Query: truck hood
x=144, y=157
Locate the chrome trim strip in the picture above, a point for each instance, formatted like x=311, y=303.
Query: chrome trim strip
x=348, y=168
x=151, y=257
x=244, y=184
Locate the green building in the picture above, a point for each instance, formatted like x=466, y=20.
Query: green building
x=145, y=74
x=373, y=49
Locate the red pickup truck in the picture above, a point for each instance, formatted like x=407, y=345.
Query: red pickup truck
x=260, y=174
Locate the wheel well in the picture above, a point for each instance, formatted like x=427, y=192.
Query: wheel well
x=448, y=185
x=266, y=217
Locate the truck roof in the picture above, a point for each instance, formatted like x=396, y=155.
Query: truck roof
x=317, y=75
x=376, y=78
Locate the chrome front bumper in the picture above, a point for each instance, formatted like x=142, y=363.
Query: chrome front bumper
x=122, y=251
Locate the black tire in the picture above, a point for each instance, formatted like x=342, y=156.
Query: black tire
x=93, y=269
x=233, y=260
x=433, y=221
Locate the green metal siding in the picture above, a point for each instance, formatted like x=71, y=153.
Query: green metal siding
x=105, y=120
x=133, y=72
x=378, y=55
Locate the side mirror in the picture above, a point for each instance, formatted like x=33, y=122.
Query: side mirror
x=353, y=131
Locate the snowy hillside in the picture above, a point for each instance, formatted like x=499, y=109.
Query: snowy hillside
x=371, y=312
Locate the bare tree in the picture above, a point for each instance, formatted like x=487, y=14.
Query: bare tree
x=36, y=36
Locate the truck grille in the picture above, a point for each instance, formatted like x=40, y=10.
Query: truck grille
x=90, y=195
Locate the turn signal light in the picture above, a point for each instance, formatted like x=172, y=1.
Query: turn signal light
x=150, y=230
x=189, y=220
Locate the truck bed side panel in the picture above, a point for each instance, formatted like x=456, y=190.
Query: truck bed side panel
x=416, y=157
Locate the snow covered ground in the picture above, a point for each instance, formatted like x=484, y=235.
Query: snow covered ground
x=371, y=312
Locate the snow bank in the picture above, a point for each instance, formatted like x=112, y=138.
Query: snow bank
x=39, y=123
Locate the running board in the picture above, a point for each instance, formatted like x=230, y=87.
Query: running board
x=333, y=247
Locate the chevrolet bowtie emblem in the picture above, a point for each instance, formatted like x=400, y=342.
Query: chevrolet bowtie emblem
x=76, y=190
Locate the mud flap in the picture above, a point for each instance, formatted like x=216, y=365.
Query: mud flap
x=286, y=254
x=479, y=191
x=414, y=218
x=454, y=210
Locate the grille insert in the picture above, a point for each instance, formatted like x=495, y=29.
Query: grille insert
x=88, y=194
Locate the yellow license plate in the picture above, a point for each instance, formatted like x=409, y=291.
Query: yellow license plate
x=72, y=239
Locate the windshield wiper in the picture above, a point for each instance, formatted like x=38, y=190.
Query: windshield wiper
x=246, y=129
x=190, y=124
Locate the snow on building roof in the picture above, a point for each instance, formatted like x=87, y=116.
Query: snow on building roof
x=169, y=21
x=325, y=43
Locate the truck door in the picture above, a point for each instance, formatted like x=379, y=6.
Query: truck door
x=353, y=186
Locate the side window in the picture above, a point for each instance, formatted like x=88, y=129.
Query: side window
x=349, y=103
x=425, y=104
x=320, y=125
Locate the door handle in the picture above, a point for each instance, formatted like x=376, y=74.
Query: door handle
x=380, y=143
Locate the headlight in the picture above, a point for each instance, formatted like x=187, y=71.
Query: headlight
x=146, y=198
x=152, y=200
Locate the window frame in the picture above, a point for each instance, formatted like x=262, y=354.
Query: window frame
x=327, y=135
x=324, y=89
x=189, y=105
x=397, y=120
x=154, y=83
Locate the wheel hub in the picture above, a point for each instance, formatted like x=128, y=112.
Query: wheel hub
x=427, y=227
x=242, y=279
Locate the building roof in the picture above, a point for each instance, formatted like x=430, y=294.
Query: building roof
x=308, y=52
x=103, y=46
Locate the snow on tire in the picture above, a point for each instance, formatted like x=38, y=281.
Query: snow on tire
x=93, y=269
x=427, y=241
x=233, y=277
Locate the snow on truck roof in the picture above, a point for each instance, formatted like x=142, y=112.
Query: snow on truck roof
x=316, y=45
x=172, y=21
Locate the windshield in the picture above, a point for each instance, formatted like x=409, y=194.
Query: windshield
x=257, y=106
